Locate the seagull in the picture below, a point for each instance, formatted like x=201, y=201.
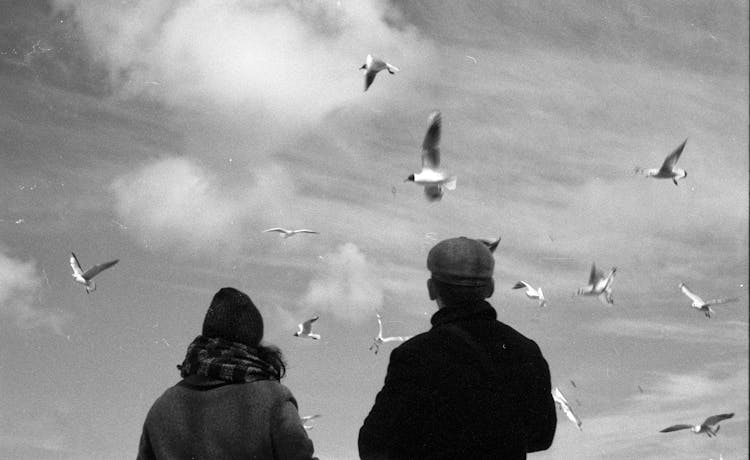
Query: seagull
x=305, y=329
x=532, y=293
x=565, y=406
x=86, y=278
x=702, y=305
x=668, y=169
x=599, y=285
x=704, y=427
x=284, y=233
x=379, y=339
x=491, y=244
x=308, y=418
x=374, y=65
x=432, y=178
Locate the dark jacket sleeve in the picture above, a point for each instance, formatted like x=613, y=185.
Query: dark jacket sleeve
x=395, y=420
x=288, y=436
x=541, y=419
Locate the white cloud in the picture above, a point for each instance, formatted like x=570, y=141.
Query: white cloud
x=19, y=284
x=172, y=202
x=298, y=59
x=348, y=288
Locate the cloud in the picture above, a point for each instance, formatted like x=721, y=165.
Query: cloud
x=173, y=201
x=19, y=285
x=297, y=59
x=630, y=428
x=348, y=288
x=734, y=332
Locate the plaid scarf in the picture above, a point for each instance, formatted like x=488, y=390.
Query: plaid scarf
x=225, y=360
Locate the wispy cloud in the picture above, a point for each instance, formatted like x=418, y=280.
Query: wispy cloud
x=734, y=332
x=347, y=288
x=173, y=201
x=297, y=59
x=19, y=285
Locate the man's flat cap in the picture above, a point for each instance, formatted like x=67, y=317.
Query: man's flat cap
x=461, y=261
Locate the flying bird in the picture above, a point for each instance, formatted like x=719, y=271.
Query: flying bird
x=374, y=65
x=431, y=177
x=379, y=339
x=668, y=170
x=705, y=427
x=702, y=305
x=285, y=233
x=308, y=418
x=304, y=330
x=599, y=285
x=565, y=406
x=491, y=244
x=532, y=293
x=86, y=278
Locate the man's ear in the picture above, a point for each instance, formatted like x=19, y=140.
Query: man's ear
x=431, y=289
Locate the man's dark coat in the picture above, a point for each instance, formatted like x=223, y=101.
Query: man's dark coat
x=470, y=387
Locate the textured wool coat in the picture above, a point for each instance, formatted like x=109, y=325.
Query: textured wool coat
x=470, y=387
x=206, y=419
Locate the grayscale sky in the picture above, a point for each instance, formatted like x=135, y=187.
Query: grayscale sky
x=170, y=134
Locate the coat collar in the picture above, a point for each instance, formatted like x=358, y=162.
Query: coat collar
x=474, y=310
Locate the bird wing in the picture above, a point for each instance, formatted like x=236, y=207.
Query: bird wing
x=307, y=325
x=307, y=418
x=491, y=245
x=304, y=230
x=671, y=160
x=380, y=327
x=433, y=192
x=521, y=284
x=430, y=144
x=369, y=78
x=714, y=419
x=695, y=298
x=595, y=274
x=558, y=396
x=607, y=282
x=75, y=265
x=565, y=406
x=722, y=300
x=96, y=269
x=276, y=229
x=681, y=426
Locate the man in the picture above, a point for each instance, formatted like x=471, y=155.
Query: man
x=470, y=387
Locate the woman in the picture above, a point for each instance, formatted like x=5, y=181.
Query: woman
x=229, y=404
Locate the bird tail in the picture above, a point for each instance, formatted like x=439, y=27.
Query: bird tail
x=450, y=184
x=91, y=287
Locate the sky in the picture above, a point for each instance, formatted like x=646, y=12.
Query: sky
x=170, y=134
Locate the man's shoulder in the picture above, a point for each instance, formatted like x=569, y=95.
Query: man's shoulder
x=524, y=343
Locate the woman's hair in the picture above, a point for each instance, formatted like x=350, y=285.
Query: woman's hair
x=273, y=356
